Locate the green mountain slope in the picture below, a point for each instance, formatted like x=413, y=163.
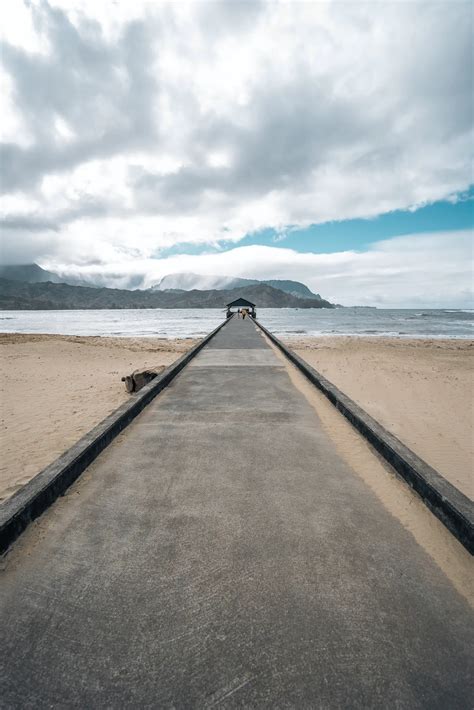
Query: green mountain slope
x=29, y=273
x=15, y=295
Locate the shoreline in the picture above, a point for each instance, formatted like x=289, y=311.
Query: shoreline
x=295, y=335
x=55, y=388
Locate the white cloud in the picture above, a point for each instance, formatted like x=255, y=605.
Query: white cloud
x=426, y=270
x=160, y=123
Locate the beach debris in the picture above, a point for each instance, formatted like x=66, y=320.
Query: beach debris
x=140, y=378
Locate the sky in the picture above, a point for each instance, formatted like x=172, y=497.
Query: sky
x=326, y=142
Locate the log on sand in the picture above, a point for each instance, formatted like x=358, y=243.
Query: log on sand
x=139, y=378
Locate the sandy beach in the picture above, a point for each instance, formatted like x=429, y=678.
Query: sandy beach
x=56, y=388
x=420, y=390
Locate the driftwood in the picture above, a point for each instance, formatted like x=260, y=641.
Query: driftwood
x=140, y=378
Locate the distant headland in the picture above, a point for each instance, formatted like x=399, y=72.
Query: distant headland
x=29, y=287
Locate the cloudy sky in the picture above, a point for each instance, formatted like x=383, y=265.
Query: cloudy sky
x=327, y=142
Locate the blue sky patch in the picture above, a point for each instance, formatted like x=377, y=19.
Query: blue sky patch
x=351, y=234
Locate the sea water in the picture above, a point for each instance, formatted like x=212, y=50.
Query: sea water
x=284, y=322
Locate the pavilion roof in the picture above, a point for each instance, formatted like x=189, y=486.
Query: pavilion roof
x=241, y=302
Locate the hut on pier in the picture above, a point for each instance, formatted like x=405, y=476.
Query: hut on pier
x=238, y=305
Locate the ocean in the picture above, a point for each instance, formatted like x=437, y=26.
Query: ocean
x=284, y=322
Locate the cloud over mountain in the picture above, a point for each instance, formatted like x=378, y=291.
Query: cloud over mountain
x=131, y=130
x=428, y=270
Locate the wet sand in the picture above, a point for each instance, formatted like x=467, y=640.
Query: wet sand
x=420, y=390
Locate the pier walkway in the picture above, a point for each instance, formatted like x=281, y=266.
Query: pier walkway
x=220, y=553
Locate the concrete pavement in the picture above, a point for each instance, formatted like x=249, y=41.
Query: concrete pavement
x=220, y=552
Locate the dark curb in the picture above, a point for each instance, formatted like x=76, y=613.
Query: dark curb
x=452, y=507
x=17, y=512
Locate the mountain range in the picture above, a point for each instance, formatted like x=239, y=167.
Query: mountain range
x=33, y=273
x=190, y=281
x=29, y=287
x=29, y=273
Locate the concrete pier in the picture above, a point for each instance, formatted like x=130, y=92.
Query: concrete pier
x=220, y=553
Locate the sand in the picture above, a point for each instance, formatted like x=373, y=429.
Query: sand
x=393, y=493
x=420, y=390
x=55, y=388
